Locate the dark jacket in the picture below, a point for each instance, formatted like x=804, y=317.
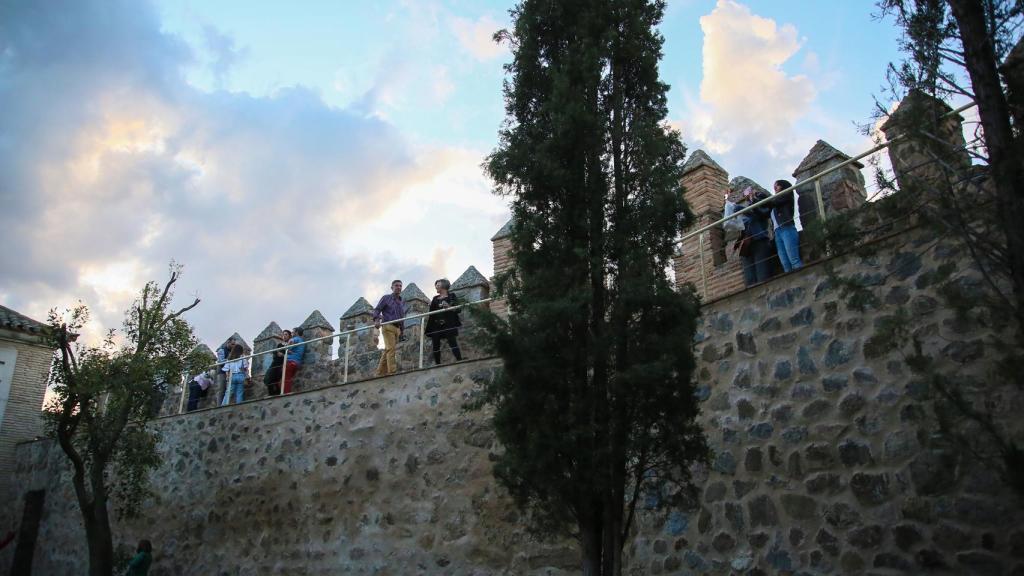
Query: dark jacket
x=782, y=207
x=757, y=222
x=443, y=321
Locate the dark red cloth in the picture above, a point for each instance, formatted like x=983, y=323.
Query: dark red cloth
x=291, y=367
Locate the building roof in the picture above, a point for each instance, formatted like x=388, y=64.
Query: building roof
x=18, y=322
x=820, y=153
x=700, y=158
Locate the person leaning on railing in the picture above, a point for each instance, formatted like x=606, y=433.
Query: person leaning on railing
x=753, y=244
x=294, y=358
x=198, y=388
x=272, y=378
x=787, y=238
x=444, y=325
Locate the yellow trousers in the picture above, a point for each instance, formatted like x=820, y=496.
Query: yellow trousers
x=388, y=364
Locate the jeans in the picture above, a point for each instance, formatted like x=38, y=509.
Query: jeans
x=449, y=336
x=237, y=386
x=388, y=363
x=787, y=244
x=194, y=390
x=757, y=267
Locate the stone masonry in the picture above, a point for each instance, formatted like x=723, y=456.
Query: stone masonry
x=827, y=460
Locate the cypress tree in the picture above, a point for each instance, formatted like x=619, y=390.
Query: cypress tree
x=596, y=405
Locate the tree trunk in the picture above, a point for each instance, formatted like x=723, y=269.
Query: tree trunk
x=97, y=526
x=1004, y=158
x=590, y=545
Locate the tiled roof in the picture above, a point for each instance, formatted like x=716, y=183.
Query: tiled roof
x=17, y=322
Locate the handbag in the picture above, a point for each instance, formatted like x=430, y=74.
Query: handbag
x=742, y=245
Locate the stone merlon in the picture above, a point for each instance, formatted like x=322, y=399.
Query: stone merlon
x=700, y=158
x=469, y=279
x=360, y=307
x=820, y=153
x=271, y=331
x=316, y=320
x=504, y=232
x=237, y=338
x=413, y=292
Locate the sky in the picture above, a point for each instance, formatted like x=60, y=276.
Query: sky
x=296, y=156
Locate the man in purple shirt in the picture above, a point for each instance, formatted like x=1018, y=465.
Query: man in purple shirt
x=390, y=308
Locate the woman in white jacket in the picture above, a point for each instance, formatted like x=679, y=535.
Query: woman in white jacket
x=237, y=371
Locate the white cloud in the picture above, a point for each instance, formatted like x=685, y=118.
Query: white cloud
x=111, y=165
x=477, y=37
x=749, y=108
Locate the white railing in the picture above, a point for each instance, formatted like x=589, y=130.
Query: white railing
x=345, y=357
x=819, y=203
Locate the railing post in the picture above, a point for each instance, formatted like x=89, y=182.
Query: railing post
x=284, y=369
x=348, y=342
x=423, y=333
x=817, y=194
x=703, y=272
x=181, y=403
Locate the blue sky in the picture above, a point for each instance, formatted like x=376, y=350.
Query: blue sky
x=297, y=156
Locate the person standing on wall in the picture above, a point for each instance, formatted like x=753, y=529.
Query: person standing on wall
x=237, y=370
x=389, y=309
x=222, y=356
x=753, y=244
x=787, y=238
x=444, y=325
x=294, y=359
x=272, y=378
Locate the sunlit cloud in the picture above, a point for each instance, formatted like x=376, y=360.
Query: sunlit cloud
x=477, y=37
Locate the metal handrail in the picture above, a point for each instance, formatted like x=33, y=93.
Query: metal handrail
x=814, y=179
x=346, y=333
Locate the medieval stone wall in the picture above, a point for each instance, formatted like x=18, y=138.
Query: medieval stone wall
x=828, y=459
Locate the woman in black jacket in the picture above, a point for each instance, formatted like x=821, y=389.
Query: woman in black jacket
x=753, y=244
x=444, y=325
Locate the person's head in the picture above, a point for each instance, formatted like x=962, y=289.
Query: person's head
x=748, y=192
x=236, y=352
x=781, y=185
x=396, y=287
x=286, y=335
x=297, y=331
x=442, y=286
x=145, y=546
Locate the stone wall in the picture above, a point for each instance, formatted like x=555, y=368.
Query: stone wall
x=828, y=455
x=387, y=476
x=827, y=461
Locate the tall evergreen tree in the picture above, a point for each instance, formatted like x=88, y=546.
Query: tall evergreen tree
x=596, y=405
